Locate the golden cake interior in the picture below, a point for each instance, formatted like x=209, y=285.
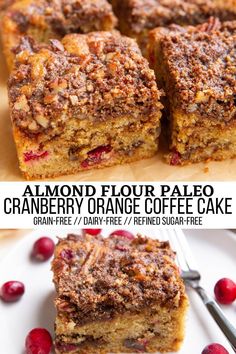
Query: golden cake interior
x=156, y=329
x=117, y=142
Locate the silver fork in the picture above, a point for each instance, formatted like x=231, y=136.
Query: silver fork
x=192, y=277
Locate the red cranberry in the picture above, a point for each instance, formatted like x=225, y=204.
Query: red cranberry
x=225, y=291
x=93, y=232
x=38, y=341
x=67, y=254
x=12, y=291
x=175, y=158
x=66, y=347
x=43, y=248
x=30, y=155
x=123, y=233
x=95, y=156
x=214, y=348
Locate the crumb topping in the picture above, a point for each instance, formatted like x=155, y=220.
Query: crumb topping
x=201, y=62
x=97, y=277
x=98, y=76
x=142, y=14
x=61, y=16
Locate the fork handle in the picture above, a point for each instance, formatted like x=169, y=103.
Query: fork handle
x=226, y=327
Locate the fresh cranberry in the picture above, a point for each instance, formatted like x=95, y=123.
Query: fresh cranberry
x=225, y=291
x=38, y=341
x=214, y=348
x=175, y=158
x=123, y=233
x=12, y=291
x=30, y=155
x=95, y=156
x=93, y=232
x=43, y=248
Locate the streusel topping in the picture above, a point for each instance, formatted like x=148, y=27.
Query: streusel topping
x=202, y=63
x=97, y=76
x=142, y=14
x=97, y=277
x=61, y=16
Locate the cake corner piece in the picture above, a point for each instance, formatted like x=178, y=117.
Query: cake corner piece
x=196, y=68
x=88, y=101
x=117, y=295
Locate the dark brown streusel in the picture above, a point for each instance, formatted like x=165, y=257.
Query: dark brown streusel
x=97, y=278
x=61, y=16
x=201, y=63
x=98, y=76
x=148, y=14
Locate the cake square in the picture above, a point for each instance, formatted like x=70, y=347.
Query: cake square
x=88, y=101
x=138, y=17
x=197, y=68
x=50, y=19
x=117, y=295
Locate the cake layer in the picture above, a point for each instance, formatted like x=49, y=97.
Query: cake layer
x=154, y=329
x=87, y=146
x=198, y=143
x=50, y=19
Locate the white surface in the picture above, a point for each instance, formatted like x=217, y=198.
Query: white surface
x=214, y=250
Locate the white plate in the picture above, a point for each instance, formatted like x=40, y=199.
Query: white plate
x=215, y=251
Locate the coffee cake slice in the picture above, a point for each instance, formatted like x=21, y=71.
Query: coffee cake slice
x=138, y=17
x=117, y=295
x=50, y=19
x=197, y=68
x=88, y=101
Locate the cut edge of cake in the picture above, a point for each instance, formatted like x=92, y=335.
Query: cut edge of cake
x=195, y=136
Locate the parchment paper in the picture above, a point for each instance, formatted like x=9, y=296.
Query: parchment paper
x=154, y=169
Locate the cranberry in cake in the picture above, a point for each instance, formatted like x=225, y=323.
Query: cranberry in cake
x=137, y=17
x=86, y=102
x=197, y=68
x=117, y=295
x=47, y=19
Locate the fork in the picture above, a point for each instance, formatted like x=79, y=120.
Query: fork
x=192, y=277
